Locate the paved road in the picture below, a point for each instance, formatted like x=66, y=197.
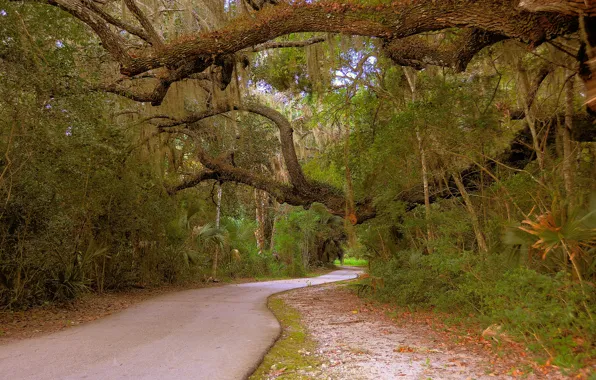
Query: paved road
x=213, y=334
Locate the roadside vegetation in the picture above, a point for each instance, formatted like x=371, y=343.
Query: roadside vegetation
x=84, y=207
x=351, y=262
x=525, y=288
x=292, y=352
x=454, y=154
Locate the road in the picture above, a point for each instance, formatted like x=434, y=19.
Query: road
x=215, y=333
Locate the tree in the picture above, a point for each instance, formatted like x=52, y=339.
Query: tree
x=148, y=55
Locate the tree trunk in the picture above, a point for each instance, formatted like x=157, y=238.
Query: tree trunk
x=350, y=218
x=276, y=210
x=425, y=184
x=529, y=116
x=473, y=216
x=567, y=144
x=411, y=78
x=217, y=222
x=261, y=213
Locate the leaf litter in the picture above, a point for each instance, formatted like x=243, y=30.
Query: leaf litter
x=359, y=340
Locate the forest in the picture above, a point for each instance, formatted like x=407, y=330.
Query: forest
x=450, y=143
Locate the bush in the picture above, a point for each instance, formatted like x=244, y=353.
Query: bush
x=550, y=312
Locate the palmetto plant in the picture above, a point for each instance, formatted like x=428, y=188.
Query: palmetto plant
x=210, y=238
x=240, y=233
x=71, y=278
x=576, y=237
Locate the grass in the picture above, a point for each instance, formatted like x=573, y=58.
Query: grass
x=352, y=262
x=292, y=352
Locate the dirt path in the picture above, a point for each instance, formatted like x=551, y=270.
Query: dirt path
x=215, y=333
x=358, y=341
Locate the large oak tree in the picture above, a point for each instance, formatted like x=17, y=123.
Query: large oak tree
x=212, y=53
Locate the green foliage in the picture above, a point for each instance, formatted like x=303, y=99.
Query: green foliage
x=550, y=237
x=553, y=314
x=78, y=210
x=308, y=238
x=327, y=172
x=548, y=312
x=352, y=262
x=83, y=205
x=526, y=282
x=289, y=73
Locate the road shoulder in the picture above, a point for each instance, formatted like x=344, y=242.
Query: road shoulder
x=355, y=339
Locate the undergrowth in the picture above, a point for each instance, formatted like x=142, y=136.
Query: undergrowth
x=352, y=262
x=550, y=314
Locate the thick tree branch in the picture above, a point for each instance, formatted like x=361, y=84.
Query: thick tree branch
x=112, y=42
x=286, y=44
x=416, y=52
x=117, y=22
x=383, y=21
x=161, y=87
x=285, y=131
x=155, y=97
x=154, y=37
x=568, y=7
x=194, y=181
x=301, y=192
x=487, y=20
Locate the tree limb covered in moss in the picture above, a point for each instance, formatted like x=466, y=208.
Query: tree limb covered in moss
x=417, y=52
x=154, y=38
x=286, y=44
x=568, y=7
x=390, y=22
x=300, y=192
x=132, y=29
x=397, y=24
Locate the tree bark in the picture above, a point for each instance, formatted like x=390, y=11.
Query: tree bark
x=411, y=78
x=417, y=53
x=386, y=21
x=567, y=143
x=473, y=216
x=261, y=213
x=568, y=7
x=383, y=21
x=527, y=100
x=423, y=167
x=217, y=223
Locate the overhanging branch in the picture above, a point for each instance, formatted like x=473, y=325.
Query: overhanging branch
x=286, y=44
x=116, y=21
x=300, y=191
x=487, y=20
x=154, y=37
x=383, y=21
x=417, y=52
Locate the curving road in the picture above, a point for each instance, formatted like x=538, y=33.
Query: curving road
x=213, y=334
